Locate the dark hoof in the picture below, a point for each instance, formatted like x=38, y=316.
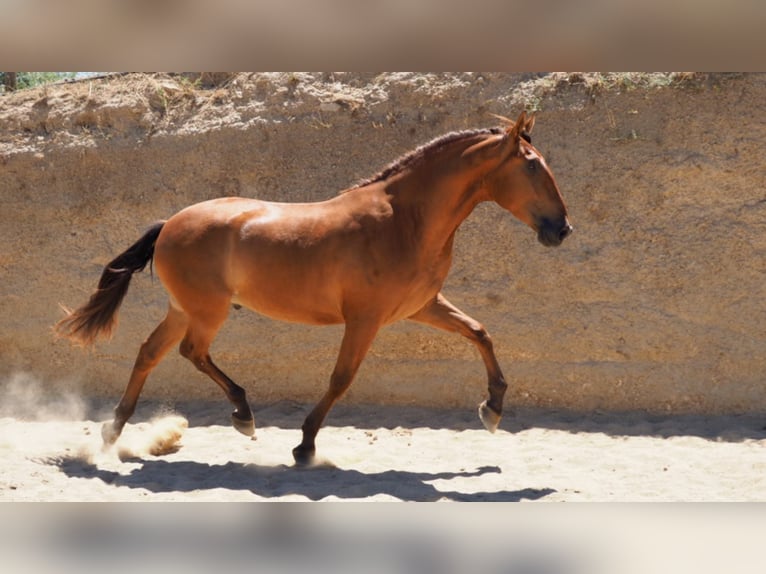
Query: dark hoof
x=303, y=456
x=245, y=426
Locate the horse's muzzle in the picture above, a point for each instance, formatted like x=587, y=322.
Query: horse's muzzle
x=551, y=234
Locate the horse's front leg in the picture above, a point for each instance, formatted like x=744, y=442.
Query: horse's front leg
x=442, y=314
x=357, y=339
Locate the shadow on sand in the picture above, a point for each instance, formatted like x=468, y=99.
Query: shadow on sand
x=315, y=483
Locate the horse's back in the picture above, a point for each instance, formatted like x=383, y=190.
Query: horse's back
x=310, y=263
x=264, y=255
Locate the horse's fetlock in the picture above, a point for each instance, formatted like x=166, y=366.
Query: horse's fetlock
x=122, y=414
x=238, y=394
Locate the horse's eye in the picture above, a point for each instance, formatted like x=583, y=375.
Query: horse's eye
x=532, y=165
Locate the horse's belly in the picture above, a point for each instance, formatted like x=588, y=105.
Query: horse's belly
x=295, y=306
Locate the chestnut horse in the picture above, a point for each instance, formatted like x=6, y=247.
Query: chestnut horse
x=376, y=253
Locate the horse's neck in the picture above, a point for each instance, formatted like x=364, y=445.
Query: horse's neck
x=439, y=200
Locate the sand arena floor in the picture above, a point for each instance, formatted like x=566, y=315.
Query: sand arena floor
x=187, y=451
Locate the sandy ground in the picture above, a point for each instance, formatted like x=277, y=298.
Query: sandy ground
x=383, y=454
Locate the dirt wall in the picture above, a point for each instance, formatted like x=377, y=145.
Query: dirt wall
x=655, y=302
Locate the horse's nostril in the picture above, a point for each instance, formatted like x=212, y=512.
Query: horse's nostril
x=565, y=232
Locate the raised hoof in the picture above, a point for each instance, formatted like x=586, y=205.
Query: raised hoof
x=303, y=456
x=245, y=426
x=109, y=434
x=488, y=417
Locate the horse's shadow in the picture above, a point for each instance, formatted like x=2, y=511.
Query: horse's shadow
x=315, y=483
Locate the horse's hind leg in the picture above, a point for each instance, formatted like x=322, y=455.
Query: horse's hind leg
x=442, y=314
x=156, y=346
x=194, y=347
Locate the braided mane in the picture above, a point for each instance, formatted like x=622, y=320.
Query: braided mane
x=412, y=157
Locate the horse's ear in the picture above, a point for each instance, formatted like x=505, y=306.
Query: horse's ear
x=530, y=124
x=513, y=134
x=514, y=131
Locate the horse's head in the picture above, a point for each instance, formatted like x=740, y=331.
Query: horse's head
x=522, y=183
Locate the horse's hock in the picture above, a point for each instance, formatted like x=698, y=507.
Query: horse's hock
x=656, y=301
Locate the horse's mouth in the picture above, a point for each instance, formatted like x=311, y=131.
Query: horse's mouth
x=552, y=235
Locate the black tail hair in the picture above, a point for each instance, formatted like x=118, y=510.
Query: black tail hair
x=98, y=316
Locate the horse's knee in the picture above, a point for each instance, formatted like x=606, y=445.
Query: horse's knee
x=479, y=335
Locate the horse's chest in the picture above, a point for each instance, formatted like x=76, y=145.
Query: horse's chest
x=408, y=292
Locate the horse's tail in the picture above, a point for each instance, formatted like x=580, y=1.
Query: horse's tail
x=98, y=315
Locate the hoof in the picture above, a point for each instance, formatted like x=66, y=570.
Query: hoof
x=489, y=417
x=109, y=434
x=245, y=426
x=303, y=456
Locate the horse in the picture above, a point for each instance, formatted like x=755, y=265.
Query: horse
x=376, y=253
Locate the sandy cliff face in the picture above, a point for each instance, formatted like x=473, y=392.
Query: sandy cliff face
x=656, y=302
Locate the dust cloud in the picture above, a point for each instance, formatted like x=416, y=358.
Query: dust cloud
x=23, y=396
x=160, y=436
x=26, y=398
